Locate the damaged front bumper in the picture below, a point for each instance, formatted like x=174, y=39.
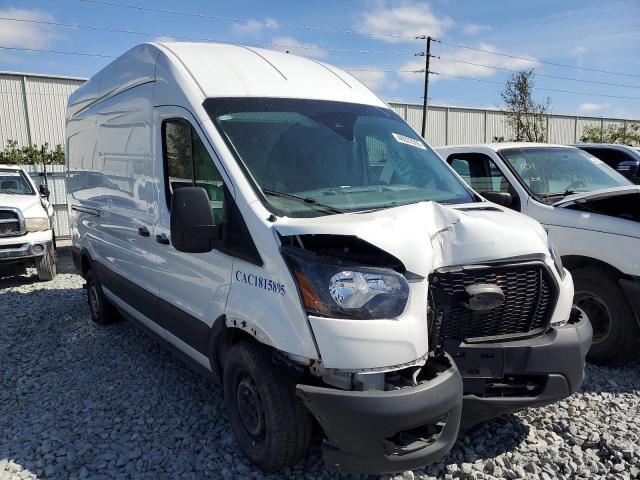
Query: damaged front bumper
x=393, y=430
x=501, y=378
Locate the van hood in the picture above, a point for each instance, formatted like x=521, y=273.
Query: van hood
x=29, y=205
x=427, y=235
x=598, y=194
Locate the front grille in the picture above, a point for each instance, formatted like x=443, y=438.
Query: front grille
x=530, y=295
x=9, y=223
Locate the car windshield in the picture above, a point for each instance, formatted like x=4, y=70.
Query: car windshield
x=311, y=157
x=14, y=182
x=552, y=172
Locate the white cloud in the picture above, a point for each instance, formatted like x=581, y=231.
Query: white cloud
x=578, y=51
x=475, y=29
x=374, y=79
x=24, y=34
x=589, y=107
x=254, y=28
x=291, y=45
x=164, y=38
x=468, y=63
x=406, y=20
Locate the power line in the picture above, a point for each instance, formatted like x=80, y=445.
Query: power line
x=537, y=73
x=529, y=59
x=204, y=39
x=536, y=88
x=90, y=54
x=251, y=21
x=62, y=52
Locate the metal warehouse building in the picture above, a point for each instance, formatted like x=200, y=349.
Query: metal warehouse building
x=32, y=111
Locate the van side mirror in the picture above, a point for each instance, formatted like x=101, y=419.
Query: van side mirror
x=44, y=191
x=192, y=224
x=501, y=198
x=629, y=168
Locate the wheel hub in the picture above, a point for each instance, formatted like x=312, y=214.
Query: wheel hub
x=250, y=408
x=598, y=314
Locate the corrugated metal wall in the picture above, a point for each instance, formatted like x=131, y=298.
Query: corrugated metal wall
x=32, y=108
x=451, y=126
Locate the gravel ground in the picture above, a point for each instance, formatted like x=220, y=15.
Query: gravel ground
x=79, y=400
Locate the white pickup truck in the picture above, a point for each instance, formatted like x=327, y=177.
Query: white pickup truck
x=592, y=214
x=26, y=231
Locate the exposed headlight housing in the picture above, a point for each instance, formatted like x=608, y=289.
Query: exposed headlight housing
x=557, y=260
x=36, y=224
x=334, y=288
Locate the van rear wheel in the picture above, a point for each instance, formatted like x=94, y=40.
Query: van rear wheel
x=102, y=311
x=616, y=336
x=272, y=428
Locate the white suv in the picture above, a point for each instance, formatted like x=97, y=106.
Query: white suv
x=26, y=232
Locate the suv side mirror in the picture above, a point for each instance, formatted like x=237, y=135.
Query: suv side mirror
x=192, y=225
x=501, y=198
x=44, y=191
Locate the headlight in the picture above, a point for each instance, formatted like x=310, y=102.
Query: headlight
x=556, y=258
x=334, y=288
x=36, y=224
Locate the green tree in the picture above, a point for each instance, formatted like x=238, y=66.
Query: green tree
x=31, y=154
x=625, y=134
x=524, y=115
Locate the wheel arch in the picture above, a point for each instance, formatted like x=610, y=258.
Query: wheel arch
x=573, y=262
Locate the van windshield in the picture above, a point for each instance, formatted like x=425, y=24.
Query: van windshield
x=312, y=157
x=552, y=172
x=13, y=182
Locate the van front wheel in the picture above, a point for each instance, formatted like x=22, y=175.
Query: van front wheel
x=272, y=428
x=102, y=312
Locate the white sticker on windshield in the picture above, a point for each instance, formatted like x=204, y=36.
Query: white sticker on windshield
x=409, y=141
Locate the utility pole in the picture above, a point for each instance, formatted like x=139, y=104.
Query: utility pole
x=426, y=86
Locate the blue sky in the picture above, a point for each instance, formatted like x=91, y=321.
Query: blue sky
x=590, y=34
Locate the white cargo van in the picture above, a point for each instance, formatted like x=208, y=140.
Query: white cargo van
x=592, y=213
x=273, y=221
x=26, y=223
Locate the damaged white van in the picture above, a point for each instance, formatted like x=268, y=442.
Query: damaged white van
x=275, y=223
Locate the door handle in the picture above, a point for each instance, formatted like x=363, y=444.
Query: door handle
x=163, y=239
x=143, y=231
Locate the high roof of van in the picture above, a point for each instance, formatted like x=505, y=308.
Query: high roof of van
x=222, y=70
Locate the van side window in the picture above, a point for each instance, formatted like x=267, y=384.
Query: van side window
x=188, y=164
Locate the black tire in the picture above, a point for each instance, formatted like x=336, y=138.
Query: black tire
x=616, y=336
x=46, y=266
x=272, y=428
x=102, y=311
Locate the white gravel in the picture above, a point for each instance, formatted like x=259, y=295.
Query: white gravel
x=78, y=400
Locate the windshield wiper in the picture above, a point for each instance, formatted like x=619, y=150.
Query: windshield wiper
x=306, y=200
x=558, y=194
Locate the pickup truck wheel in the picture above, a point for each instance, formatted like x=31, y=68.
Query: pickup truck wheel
x=46, y=266
x=272, y=428
x=616, y=335
x=102, y=311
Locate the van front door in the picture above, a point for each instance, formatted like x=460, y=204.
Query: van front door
x=193, y=287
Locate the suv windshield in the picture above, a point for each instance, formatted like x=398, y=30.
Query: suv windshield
x=552, y=172
x=312, y=157
x=14, y=182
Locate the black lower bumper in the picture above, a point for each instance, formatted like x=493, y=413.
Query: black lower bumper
x=501, y=378
x=389, y=431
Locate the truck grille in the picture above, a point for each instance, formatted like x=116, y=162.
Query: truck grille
x=530, y=295
x=9, y=223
